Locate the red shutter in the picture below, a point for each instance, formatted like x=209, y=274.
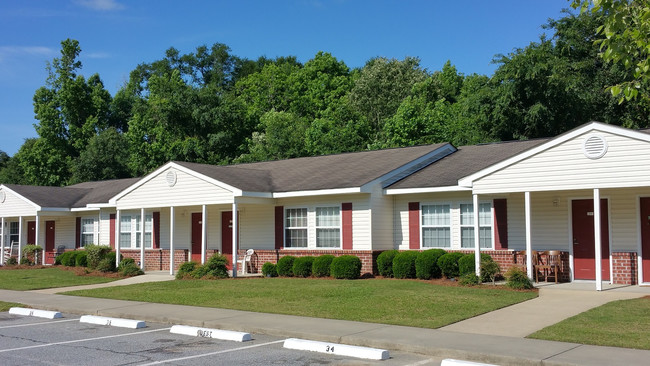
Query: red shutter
x=347, y=225
x=77, y=231
x=279, y=227
x=500, y=223
x=112, y=228
x=156, y=230
x=414, y=225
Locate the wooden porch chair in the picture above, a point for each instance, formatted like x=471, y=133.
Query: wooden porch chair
x=523, y=255
x=552, y=266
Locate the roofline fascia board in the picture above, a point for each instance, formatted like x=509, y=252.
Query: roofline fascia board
x=37, y=207
x=100, y=205
x=411, y=167
x=235, y=191
x=398, y=191
x=55, y=209
x=318, y=192
x=468, y=181
x=256, y=194
x=83, y=209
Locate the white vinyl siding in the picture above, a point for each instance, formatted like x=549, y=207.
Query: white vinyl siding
x=14, y=206
x=436, y=226
x=328, y=227
x=295, y=228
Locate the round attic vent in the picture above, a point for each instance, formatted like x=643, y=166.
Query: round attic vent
x=3, y=196
x=171, y=178
x=594, y=147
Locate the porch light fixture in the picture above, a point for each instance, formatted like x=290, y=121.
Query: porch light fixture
x=556, y=202
x=594, y=147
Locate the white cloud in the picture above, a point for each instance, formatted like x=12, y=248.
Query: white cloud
x=12, y=51
x=101, y=5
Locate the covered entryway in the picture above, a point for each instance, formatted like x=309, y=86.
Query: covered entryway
x=226, y=236
x=582, y=219
x=197, y=230
x=49, y=241
x=31, y=232
x=645, y=237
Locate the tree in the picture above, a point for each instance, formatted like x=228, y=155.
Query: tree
x=105, y=157
x=283, y=138
x=625, y=40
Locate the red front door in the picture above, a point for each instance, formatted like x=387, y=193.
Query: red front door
x=31, y=232
x=226, y=236
x=197, y=229
x=49, y=242
x=645, y=237
x=584, y=264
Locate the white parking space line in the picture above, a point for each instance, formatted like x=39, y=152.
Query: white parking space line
x=83, y=340
x=212, y=353
x=39, y=323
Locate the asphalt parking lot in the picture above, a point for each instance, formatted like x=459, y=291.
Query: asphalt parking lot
x=26, y=340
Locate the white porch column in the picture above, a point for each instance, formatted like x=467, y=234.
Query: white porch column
x=171, y=240
x=597, y=241
x=142, y=220
x=99, y=228
x=235, y=239
x=477, y=241
x=2, y=242
x=204, y=232
x=529, y=245
x=117, y=238
x=20, y=238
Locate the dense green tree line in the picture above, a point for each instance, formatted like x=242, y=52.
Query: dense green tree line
x=210, y=106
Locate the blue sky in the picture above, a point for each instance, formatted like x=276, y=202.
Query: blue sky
x=117, y=35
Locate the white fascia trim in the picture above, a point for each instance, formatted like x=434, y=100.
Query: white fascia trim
x=37, y=207
x=426, y=190
x=55, y=209
x=319, y=192
x=235, y=191
x=83, y=209
x=468, y=181
x=100, y=205
x=256, y=194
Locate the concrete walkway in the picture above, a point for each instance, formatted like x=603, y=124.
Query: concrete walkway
x=467, y=344
x=153, y=276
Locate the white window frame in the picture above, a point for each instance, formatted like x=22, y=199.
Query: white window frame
x=338, y=227
x=130, y=227
x=288, y=228
x=423, y=226
x=126, y=231
x=471, y=225
x=12, y=225
x=84, y=234
x=148, y=231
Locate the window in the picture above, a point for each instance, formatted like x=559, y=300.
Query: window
x=328, y=227
x=125, y=231
x=296, y=228
x=14, y=234
x=148, y=229
x=87, y=231
x=467, y=225
x=436, y=226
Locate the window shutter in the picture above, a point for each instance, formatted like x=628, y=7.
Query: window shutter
x=155, y=236
x=112, y=228
x=77, y=242
x=414, y=225
x=347, y=225
x=279, y=227
x=500, y=223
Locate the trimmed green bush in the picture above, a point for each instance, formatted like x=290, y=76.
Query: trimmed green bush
x=31, y=252
x=127, y=261
x=130, y=270
x=466, y=265
x=96, y=253
x=469, y=279
x=214, y=267
x=11, y=261
x=404, y=264
x=68, y=258
x=448, y=264
x=185, y=269
x=302, y=266
x=346, y=267
x=321, y=266
x=285, y=266
x=81, y=259
x=385, y=262
x=25, y=261
x=426, y=264
x=517, y=279
x=106, y=265
x=269, y=270
x=489, y=271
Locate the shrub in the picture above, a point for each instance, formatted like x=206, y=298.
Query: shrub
x=185, y=269
x=426, y=264
x=285, y=266
x=346, y=267
x=81, y=259
x=30, y=251
x=214, y=267
x=25, y=261
x=448, y=264
x=404, y=264
x=489, y=271
x=130, y=270
x=469, y=279
x=127, y=261
x=67, y=258
x=11, y=261
x=302, y=266
x=106, y=265
x=466, y=264
x=385, y=262
x=517, y=279
x=321, y=266
x=96, y=253
x=269, y=270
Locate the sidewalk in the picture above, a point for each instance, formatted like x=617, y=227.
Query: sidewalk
x=496, y=349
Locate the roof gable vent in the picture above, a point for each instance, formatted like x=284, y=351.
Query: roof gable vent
x=594, y=147
x=171, y=178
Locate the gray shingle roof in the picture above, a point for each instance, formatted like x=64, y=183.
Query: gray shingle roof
x=50, y=196
x=101, y=191
x=466, y=161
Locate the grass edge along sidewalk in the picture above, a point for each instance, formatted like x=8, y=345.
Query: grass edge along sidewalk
x=621, y=323
x=47, y=277
x=388, y=301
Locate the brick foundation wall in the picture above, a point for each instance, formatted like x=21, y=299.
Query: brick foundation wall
x=624, y=267
x=157, y=259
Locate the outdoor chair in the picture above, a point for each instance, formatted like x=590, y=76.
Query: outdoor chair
x=245, y=263
x=552, y=266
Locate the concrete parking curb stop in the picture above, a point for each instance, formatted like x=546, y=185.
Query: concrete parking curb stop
x=336, y=349
x=114, y=322
x=35, y=312
x=226, y=335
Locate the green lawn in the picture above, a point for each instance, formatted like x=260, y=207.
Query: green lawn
x=401, y=302
x=5, y=306
x=624, y=323
x=39, y=278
